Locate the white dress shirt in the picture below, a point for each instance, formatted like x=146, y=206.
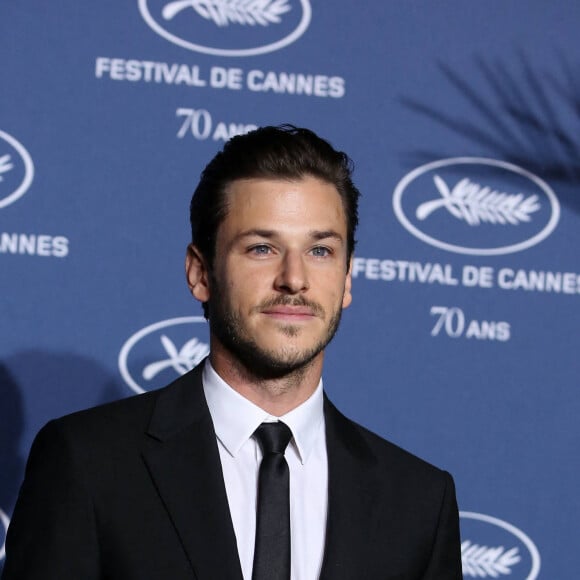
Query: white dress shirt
x=235, y=419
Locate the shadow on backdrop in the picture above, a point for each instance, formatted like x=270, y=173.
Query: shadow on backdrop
x=524, y=116
x=35, y=387
x=11, y=428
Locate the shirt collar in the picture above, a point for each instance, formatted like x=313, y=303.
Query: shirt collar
x=235, y=418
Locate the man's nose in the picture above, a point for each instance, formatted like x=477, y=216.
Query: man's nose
x=292, y=277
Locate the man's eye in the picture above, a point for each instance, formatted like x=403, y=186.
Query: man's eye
x=260, y=250
x=320, y=251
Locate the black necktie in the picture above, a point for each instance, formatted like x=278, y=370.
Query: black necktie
x=272, y=548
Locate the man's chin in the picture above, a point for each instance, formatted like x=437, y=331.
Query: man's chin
x=282, y=330
x=273, y=364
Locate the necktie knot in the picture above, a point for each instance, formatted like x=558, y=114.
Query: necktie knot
x=273, y=437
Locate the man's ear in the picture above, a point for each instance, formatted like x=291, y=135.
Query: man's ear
x=347, y=296
x=197, y=274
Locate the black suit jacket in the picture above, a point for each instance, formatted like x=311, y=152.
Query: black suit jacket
x=134, y=490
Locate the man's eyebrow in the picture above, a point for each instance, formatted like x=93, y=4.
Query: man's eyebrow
x=256, y=232
x=324, y=234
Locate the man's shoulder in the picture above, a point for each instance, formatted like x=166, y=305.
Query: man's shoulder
x=126, y=412
x=388, y=451
x=384, y=454
x=124, y=417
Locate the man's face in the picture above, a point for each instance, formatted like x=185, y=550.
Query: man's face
x=280, y=279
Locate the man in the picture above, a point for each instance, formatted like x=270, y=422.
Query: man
x=165, y=485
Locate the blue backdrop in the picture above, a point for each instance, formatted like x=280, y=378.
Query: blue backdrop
x=463, y=120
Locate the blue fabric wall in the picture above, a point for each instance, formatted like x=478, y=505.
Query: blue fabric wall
x=463, y=119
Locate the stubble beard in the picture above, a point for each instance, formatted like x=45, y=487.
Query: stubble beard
x=261, y=362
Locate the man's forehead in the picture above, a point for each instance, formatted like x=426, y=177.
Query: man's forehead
x=308, y=205
x=263, y=190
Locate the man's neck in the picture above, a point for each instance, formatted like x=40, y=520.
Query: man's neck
x=277, y=396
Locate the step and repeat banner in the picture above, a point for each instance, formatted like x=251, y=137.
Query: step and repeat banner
x=463, y=119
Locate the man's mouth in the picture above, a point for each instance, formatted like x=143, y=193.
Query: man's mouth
x=289, y=312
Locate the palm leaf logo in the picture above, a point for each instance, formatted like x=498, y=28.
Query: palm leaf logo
x=182, y=360
x=475, y=204
x=224, y=12
x=483, y=562
x=5, y=165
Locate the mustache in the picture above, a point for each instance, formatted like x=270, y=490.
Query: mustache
x=283, y=300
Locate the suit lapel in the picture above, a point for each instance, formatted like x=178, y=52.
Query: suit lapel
x=353, y=493
x=183, y=460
